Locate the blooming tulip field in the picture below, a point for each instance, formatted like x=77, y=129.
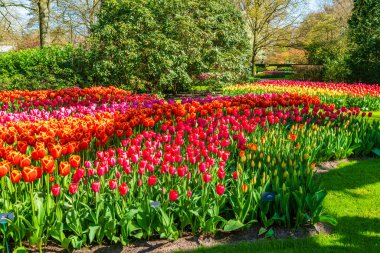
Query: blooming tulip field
x=85, y=166
x=367, y=97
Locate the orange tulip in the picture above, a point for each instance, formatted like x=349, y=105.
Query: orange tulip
x=47, y=163
x=25, y=161
x=4, y=169
x=64, y=168
x=74, y=161
x=29, y=174
x=16, y=176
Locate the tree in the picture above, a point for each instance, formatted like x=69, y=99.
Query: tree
x=364, y=31
x=323, y=35
x=78, y=15
x=42, y=7
x=269, y=23
x=159, y=45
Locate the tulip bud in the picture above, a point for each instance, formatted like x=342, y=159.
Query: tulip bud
x=286, y=174
x=253, y=181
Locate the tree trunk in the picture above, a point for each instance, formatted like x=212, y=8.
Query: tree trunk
x=43, y=18
x=253, y=64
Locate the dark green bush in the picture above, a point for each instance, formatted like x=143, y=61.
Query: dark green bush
x=48, y=68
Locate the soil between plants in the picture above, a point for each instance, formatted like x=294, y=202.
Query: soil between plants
x=190, y=242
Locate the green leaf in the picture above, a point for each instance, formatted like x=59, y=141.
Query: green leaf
x=20, y=249
x=92, y=233
x=328, y=219
x=262, y=230
x=269, y=234
x=376, y=151
x=233, y=225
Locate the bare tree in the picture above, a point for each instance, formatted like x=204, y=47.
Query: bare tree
x=42, y=7
x=81, y=12
x=269, y=23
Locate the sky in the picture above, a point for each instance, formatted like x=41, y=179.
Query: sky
x=313, y=5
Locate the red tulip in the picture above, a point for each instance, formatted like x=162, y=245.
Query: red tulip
x=221, y=173
x=189, y=193
x=73, y=188
x=123, y=189
x=152, y=180
x=113, y=184
x=95, y=186
x=173, y=195
x=182, y=171
x=220, y=189
x=235, y=175
x=207, y=177
x=56, y=190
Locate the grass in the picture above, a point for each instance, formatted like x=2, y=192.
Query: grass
x=353, y=198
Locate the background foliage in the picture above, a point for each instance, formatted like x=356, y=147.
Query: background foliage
x=364, y=30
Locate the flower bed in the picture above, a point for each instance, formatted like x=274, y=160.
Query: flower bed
x=364, y=96
x=113, y=170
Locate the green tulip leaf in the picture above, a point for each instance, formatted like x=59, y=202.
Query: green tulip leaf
x=233, y=225
x=376, y=151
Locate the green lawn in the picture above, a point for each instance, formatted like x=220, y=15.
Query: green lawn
x=354, y=199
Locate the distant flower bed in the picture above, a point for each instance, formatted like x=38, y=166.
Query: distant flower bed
x=364, y=96
x=277, y=72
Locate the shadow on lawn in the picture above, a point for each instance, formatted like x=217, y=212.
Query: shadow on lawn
x=357, y=174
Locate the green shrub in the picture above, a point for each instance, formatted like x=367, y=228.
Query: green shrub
x=33, y=69
x=160, y=45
